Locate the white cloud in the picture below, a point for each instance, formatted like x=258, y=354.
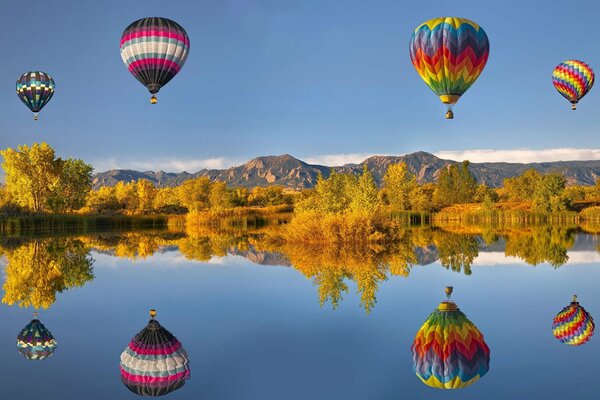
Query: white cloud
x=335, y=160
x=167, y=164
x=521, y=155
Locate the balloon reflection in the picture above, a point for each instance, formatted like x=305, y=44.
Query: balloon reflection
x=154, y=363
x=36, y=342
x=449, y=351
x=573, y=325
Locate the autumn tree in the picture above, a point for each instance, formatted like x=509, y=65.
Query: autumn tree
x=39, y=181
x=194, y=194
x=146, y=193
x=400, y=185
x=364, y=196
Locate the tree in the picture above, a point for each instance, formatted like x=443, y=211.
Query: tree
x=126, y=195
x=32, y=174
x=73, y=187
x=400, y=185
x=364, y=193
x=39, y=181
x=547, y=195
x=146, y=193
x=455, y=185
x=194, y=194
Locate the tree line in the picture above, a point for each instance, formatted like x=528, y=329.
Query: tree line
x=37, y=181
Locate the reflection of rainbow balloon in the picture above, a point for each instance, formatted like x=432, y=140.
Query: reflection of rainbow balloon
x=154, y=363
x=36, y=342
x=449, y=54
x=573, y=325
x=573, y=79
x=449, y=351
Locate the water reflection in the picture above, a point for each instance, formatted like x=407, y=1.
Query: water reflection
x=154, y=363
x=36, y=342
x=39, y=268
x=573, y=325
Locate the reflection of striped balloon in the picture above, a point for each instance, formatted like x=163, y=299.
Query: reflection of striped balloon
x=573, y=79
x=154, y=363
x=449, y=54
x=154, y=50
x=35, y=89
x=573, y=325
x=36, y=342
x=449, y=351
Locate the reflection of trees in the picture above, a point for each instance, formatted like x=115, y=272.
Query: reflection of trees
x=38, y=269
x=540, y=244
x=456, y=251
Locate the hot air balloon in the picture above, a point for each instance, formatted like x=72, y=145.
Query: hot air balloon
x=573, y=79
x=449, y=54
x=35, y=89
x=154, y=363
x=449, y=351
x=573, y=325
x=36, y=342
x=154, y=50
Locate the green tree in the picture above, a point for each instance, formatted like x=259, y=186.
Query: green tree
x=455, y=185
x=73, y=186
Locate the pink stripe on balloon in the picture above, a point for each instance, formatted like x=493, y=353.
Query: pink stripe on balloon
x=153, y=62
x=157, y=33
x=155, y=351
x=154, y=379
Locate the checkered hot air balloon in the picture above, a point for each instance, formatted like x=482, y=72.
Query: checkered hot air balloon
x=573, y=79
x=573, y=325
x=449, y=351
x=449, y=54
x=154, y=363
x=36, y=342
x=35, y=89
x=154, y=50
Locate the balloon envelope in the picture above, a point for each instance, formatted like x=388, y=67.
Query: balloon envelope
x=573, y=79
x=449, y=351
x=154, y=50
x=573, y=325
x=35, y=89
x=154, y=363
x=449, y=54
x=36, y=342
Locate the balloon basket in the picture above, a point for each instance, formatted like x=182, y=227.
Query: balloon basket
x=449, y=114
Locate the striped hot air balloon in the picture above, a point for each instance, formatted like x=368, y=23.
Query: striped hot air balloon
x=573, y=79
x=449, y=351
x=35, y=89
x=154, y=363
x=36, y=342
x=449, y=54
x=154, y=50
x=573, y=325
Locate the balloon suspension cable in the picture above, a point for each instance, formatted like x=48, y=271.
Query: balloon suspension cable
x=449, y=114
x=449, y=290
x=573, y=106
x=153, y=99
x=35, y=116
x=574, y=298
x=152, y=313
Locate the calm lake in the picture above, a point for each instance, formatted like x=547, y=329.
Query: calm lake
x=263, y=320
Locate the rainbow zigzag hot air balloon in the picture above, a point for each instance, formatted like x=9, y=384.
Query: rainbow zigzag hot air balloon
x=449, y=54
x=35, y=89
x=573, y=79
x=573, y=325
x=154, y=50
x=36, y=342
x=449, y=351
x=154, y=363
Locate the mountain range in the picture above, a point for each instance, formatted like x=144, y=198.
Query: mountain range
x=290, y=172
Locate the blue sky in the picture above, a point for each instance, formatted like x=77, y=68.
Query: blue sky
x=327, y=81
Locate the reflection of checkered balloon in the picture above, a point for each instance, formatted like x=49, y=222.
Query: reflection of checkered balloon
x=36, y=342
x=573, y=325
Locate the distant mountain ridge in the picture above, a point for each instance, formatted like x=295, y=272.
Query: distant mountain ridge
x=288, y=171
